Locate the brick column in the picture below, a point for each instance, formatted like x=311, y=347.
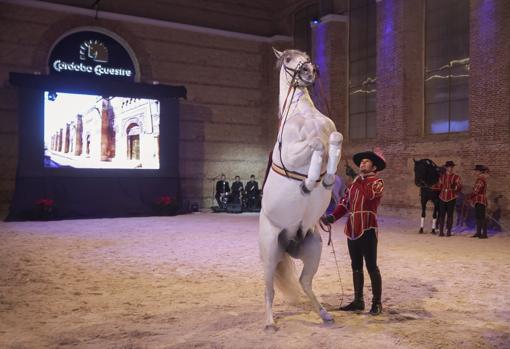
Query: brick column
x=414, y=63
x=390, y=120
x=489, y=82
x=331, y=54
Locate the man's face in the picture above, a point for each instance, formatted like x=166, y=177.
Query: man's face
x=252, y=178
x=367, y=166
x=449, y=169
x=237, y=178
x=222, y=177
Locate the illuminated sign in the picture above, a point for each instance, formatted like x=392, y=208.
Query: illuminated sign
x=90, y=53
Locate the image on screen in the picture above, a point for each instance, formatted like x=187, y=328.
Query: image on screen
x=91, y=131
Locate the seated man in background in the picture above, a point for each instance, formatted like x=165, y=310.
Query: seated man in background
x=237, y=189
x=252, y=192
x=222, y=190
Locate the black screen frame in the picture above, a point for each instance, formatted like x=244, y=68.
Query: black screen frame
x=31, y=123
x=91, y=193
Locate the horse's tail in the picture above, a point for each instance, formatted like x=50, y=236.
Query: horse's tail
x=285, y=279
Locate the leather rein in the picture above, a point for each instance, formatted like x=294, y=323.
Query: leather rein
x=295, y=74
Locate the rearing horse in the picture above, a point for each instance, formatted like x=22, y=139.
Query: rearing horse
x=297, y=190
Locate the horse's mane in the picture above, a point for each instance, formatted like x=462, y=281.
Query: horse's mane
x=288, y=53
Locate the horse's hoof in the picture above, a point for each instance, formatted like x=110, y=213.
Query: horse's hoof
x=304, y=188
x=328, y=181
x=272, y=328
x=326, y=317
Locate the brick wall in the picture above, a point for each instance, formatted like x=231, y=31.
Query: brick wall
x=229, y=122
x=400, y=130
x=224, y=122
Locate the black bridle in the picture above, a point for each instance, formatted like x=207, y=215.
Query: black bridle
x=296, y=75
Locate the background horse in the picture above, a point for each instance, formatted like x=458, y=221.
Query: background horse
x=298, y=186
x=426, y=176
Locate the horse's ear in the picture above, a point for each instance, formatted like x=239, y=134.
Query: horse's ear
x=277, y=53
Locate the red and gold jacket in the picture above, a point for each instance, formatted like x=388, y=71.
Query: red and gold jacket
x=450, y=185
x=360, y=201
x=479, y=194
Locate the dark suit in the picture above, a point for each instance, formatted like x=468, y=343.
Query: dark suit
x=222, y=187
x=237, y=188
x=252, y=192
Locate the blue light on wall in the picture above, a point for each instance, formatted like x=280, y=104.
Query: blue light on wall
x=487, y=21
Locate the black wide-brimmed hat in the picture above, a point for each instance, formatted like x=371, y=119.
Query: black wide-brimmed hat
x=481, y=168
x=375, y=156
x=449, y=163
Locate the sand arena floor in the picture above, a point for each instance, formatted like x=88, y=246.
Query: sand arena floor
x=195, y=281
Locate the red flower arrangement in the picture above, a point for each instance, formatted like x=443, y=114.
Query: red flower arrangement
x=166, y=206
x=165, y=200
x=45, y=202
x=44, y=209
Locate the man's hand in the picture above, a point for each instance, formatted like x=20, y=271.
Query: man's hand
x=327, y=219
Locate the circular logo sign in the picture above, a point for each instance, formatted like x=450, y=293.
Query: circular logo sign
x=92, y=54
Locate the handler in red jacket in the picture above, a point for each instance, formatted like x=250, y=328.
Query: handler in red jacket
x=450, y=184
x=361, y=201
x=479, y=200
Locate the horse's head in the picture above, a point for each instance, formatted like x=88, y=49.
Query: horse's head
x=426, y=172
x=299, y=69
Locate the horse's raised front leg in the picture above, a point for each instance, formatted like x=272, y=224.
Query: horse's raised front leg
x=314, y=171
x=310, y=254
x=334, y=154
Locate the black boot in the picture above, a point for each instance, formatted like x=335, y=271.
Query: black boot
x=484, y=229
x=421, y=231
x=358, y=303
x=478, y=229
x=376, y=309
x=375, y=279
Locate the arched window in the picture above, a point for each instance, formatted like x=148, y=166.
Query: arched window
x=362, y=68
x=133, y=141
x=447, y=66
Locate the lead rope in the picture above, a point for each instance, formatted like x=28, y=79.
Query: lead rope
x=327, y=228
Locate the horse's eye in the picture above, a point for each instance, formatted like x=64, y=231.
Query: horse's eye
x=287, y=60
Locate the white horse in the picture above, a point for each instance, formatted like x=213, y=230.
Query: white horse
x=297, y=190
